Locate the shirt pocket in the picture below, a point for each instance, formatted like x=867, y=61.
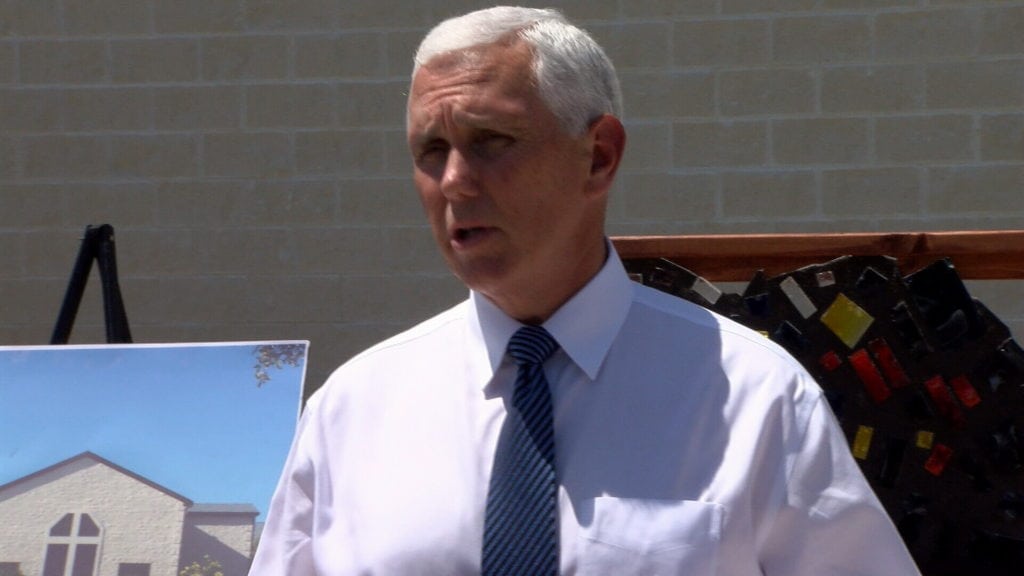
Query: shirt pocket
x=644, y=536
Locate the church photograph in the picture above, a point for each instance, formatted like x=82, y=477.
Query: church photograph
x=142, y=459
x=87, y=516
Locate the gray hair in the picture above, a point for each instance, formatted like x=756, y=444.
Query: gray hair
x=574, y=76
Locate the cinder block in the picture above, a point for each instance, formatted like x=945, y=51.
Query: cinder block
x=342, y=152
x=775, y=91
x=397, y=158
x=385, y=299
x=667, y=8
x=321, y=251
x=62, y=61
x=8, y=165
x=8, y=63
x=666, y=197
x=872, y=88
x=583, y=12
x=371, y=104
x=1002, y=30
x=31, y=206
x=739, y=143
x=39, y=18
x=410, y=250
x=248, y=154
x=871, y=191
x=233, y=203
x=639, y=228
x=107, y=109
x=742, y=42
x=350, y=55
x=151, y=252
x=31, y=110
x=937, y=33
x=155, y=60
x=304, y=15
x=12, y=257
x=822, y=39
x=393, y=14
x=641, y=45
x=866, y=4
x=772, y=6
x=47, y=254
x=154, y=156
x=292, y=299
x=976, y=85
x=196, y=107
x=64, y=156
x=103, y=17
x=666, y=94
x=971, y=221
x=167, y=305
x=183, y=205
x=35, y=301
x=199, y=16
x=384, y=202
x=126, y=206
x=769, y=195
x=986, y=190
x=295, y=203
x=648, y=148
x=821, y=141
x=244, y=57
x=400, y=48
x=233, y=250
x=923, y=138
x=1002, y=137
x=289, y=106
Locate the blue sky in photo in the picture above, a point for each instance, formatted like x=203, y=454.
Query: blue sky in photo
x=188, y=417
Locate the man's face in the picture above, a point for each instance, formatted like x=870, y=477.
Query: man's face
x=505, y=189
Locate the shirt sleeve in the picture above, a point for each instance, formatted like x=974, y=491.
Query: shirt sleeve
x=285, y=545
x=831, y=523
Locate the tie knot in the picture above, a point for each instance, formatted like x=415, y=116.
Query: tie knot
x=531, y=345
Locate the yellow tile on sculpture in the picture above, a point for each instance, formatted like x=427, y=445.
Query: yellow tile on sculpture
x=925, y=439
x=862, y=442
x=847, y=320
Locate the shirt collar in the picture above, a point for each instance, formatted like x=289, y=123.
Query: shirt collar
x=584, y=327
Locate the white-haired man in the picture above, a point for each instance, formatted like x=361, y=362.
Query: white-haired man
x=646, y=435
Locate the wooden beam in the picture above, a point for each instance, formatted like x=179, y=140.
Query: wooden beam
x=981, y=255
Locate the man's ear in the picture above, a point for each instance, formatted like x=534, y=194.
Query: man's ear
x=607, y=139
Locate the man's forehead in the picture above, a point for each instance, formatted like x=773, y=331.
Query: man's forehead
x=479, y=71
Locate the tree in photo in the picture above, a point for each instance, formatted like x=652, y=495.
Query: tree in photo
x=275, y=356
x=208, y=567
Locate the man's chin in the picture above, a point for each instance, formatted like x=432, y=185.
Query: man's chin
x=485, y=275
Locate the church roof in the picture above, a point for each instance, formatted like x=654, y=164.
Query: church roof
x=99, y=460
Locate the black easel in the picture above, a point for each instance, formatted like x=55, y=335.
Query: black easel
x=98, y=245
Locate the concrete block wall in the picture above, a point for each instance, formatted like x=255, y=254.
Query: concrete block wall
x=250, y=153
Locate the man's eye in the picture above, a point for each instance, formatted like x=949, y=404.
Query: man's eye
x=492, y=143
x=432, y=152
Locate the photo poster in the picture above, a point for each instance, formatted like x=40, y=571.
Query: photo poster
x=186, y=440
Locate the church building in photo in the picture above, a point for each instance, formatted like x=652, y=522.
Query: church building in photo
x=87, y=516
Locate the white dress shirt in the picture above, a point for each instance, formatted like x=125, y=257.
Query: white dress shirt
x=685, y=444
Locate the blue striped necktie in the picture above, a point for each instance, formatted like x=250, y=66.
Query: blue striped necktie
x=521, y=524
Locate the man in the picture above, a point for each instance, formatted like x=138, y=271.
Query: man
x=666, y=440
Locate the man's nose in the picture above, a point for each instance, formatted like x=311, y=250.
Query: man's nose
x=458, y=178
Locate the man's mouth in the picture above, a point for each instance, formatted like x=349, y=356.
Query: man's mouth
x=468, y=235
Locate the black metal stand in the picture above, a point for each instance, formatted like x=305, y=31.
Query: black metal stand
x=98, y=245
